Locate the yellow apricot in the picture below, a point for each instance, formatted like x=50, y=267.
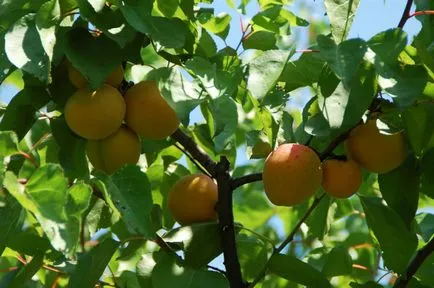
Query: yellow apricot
x=95, y=114
x=192, y=199
x=148, y=113
x=341, y=179
x=292, y=174
x=111, y=153
x=261, y=149
x=374, y=151
x=114, y=79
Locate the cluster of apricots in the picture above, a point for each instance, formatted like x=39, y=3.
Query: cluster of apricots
x=294, y=172
x=112, y=122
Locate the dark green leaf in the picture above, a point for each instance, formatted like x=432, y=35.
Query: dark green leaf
x=338, y=262
x=260, y=40
x=24, y=48
x=297, y=271
x=264, y=71
x=27, y=271
x=193, y=237
x=400, y=189
x=391, y=233
x=130, y=191
x=92, y=264
x=46, y=20
x=10, y=218
x=94, y=57
x=252, y=254
x=419, y=122
x=369, y=284
x=426, y=225
x=322, y=217
x=427, y=170
x=225, y=116
x=8, y=143
x=20, y=113
x=388, y=45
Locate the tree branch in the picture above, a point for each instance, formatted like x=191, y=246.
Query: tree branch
x=197, y=153
x=226, y=224
x=237, y=182
x=417, y=261
x=419, y=13
x=405, y=14
x=289, y=238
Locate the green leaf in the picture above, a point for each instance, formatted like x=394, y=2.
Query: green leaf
x=302, y=72
x=72, y=150
x=182, y=95
x=196, y=254
x=46, y=20
x=427, y=170
x=225, y=115
x=313, y=120
x=28, y=243
x=391, y=233
x=341, y=14
x=130, y=191
x=8, y=143
x=297, y=271
x=10, y=219
x=92, y=264
x=24, y=48
x=388, y=44
x=167, y=273
x=345, y=106
x=345, y=58
x=252, y=254
x=424, y=273
x=20, y=112
x=47, y=188
x=419, y=122
x=218, y=24
x=369, y=284
x=400, y=189
x=260, y=40
x=426, y=225
x=94, y=57
x=264, y=71
x=338, y=262
x=322, y=217
x=27, y=271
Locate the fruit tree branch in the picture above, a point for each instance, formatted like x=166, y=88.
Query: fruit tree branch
x=419, y=13
x=226, y=224
x=417, y=261
x=194, y=150
x=289, y=238
x=405, y=14
x=237, y=182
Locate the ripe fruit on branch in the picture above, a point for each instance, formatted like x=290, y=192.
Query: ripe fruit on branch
x=115, y=151
x=114, y=79
x=95, y=114
x=341, y=178
x=148, y=113
x=192, y=199
x=292, y=173
x=376, y=152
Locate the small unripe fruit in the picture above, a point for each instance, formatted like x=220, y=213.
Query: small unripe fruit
x=192, y=199
x=376, y=152
x=114, y=79
x=96, y=114
x=292, y=174
x=148, y=113
x=341, y=179
x=115, y=151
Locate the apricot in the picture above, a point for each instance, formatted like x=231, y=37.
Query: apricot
x=374, y=151
x=261, y=149
x=292, y=174
x=148, y=114
x=111, y=153
x=114, y=79
x=95, y=114
x=341, y=178
x=193, y=199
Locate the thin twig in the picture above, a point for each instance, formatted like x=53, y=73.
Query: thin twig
x=216, y=269
x=405, y=14
x=194, y=150
x=237, y=182
x=419, y=13
x=192, y=160
x=288, y=239
x=417, y=261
